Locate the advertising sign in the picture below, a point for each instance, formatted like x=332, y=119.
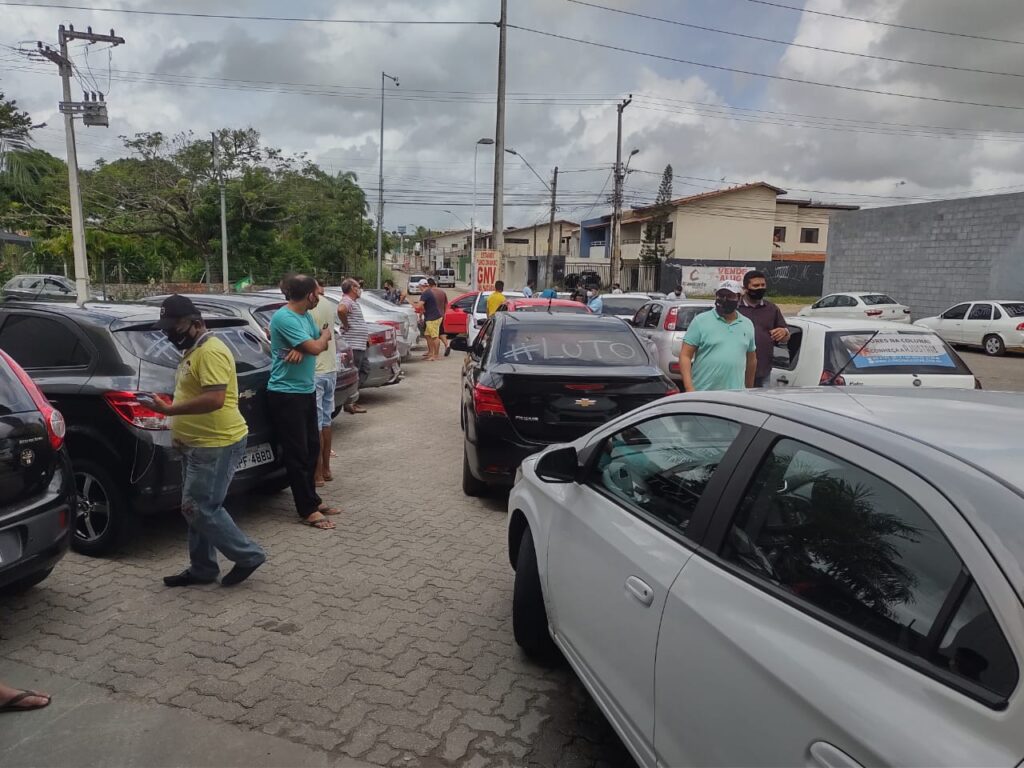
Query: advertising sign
x=488, y=269
x=898, y=349
x=703, y=281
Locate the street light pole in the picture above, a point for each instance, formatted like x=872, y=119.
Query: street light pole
x=380, y=185
x=616, y=261
x=472, y=218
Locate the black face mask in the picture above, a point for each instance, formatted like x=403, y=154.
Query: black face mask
x=726, y=306
x=182, y=340
x=756, y=294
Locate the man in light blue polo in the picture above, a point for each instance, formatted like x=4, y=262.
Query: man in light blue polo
x=719, y=351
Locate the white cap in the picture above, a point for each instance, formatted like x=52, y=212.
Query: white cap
x=733, y=286
x=423, y=282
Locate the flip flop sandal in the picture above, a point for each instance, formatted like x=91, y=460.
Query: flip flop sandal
x=323, y=524
x=12, y=703
x=329, y=511
x=355, y=409
x=329, y=477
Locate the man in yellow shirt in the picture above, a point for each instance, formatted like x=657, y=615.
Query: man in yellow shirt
x=210, y=432
x=496, y=299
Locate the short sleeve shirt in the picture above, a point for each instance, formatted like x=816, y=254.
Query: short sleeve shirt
x=494, y=301
x=722, y=348
x=325, y=314
x=208, y=366
x=431, y=304
x=288, y=330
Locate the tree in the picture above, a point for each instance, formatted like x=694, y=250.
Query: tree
x=15, y=142
x=653, y=248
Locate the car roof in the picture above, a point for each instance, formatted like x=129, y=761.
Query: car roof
x=535, y=302
x=246, y=299
x=95, y=312
x=560, y=318
x=858, y=293
x=847, y=324
x=628, y=296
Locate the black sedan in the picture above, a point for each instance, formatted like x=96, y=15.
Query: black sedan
x=533, y=379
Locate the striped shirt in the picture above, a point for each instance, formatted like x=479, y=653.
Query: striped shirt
x=357, y=334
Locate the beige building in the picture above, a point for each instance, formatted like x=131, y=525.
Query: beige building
x=525, y=251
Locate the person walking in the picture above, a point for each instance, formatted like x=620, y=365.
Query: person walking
x=325, y=380
x=769, y=323
x=718, y=348
x=433, y=303
x=528, y=289
x=295, y=342
x=496, y=299
x=354, y=332
x=210, y=433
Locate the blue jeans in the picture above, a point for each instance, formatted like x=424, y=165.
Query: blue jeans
x=325, y=384
x=206, y=475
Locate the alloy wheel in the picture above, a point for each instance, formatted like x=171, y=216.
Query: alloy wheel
x=93, y=507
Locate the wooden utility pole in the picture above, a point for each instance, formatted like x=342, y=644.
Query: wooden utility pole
x=498, y=225
x=616, y=251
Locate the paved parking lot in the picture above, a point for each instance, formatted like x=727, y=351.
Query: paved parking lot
x=998, y=373
x=387, y=640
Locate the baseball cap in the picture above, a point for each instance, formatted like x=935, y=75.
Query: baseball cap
x=423, y=282
x=733, y=286
x=174, y=309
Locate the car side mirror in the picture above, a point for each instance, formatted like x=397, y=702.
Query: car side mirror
x=459, y=344
x=561, y=465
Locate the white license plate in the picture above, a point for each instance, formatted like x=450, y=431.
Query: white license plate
x=255, y=456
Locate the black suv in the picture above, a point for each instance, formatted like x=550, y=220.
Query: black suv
x=92, y=362
x=37, y=490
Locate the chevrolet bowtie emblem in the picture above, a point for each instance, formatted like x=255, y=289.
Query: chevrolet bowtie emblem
x=585, y=402
x=245, y=394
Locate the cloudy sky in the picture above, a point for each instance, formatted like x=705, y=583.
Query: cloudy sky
x=313, y=86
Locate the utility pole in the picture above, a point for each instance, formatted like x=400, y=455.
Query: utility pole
x=94, y=112
x=616, y=260
x=551, y=230
x=380, y=186
x=223, y=216
x=498, y=226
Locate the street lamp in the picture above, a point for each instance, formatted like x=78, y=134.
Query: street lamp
x=380, y=187
x=472, y=218
x=527, y=162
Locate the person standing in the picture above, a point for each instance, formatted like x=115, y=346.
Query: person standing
x=210, y=433
x=355, y=332
x=496, y=299
x=616, y=288
x=528, y=289
x=677, y=293
x=595, y=302
x=433, y=302
x=325, y=380
x=392, y=294
x=549, y=293
x=718, y=349
x=769, y=323
x=295, y=342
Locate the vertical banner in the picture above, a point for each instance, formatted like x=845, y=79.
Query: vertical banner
x=488, y=269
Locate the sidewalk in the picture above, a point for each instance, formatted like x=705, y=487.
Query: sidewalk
x=86, y=726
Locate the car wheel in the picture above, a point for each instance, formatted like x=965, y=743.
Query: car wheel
x=994, y=346
x=529, y=617
x=470, y=485
x=22, y=585
x=102, y=510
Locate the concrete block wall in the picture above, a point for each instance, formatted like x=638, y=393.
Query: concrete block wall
x=932, y=255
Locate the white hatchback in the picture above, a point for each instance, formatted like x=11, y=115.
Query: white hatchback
x=995, y=326
x=866, y=353
x=413, y=289
x=861, y=305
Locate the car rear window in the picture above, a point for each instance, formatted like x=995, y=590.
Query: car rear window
x=1015, y=309
x=892, y=352
x=576, y=345
x=250, y=352
x=617, y=305
x=14, y=398
x=876, y=298
x=265, y=314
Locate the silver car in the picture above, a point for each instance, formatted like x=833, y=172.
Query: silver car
x=661, y=324
x=409, y=332
x=384, y=314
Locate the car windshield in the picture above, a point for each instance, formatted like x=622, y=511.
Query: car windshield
x=416, y=278
x=621, y=305
x=876, y=298
x=14, y=398
x=891, y=352
x=250, y=352
x=572, y=345
x=1014, y=309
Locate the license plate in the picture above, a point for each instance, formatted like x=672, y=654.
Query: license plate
x=10, y=547
x=255, y=456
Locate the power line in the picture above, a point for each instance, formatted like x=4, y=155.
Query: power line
x=752, y=73
x=792, y=44
x=238, y=17
x=886, y=23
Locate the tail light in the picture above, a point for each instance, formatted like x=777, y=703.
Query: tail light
x=486, y=400
x=1020, y=327
x=673, y=391
x=673, y=367
x=55, y=426
x=128, y=406
x=391, y=324
x=873, y=313
x=670, y=319
x=830, y=379
x=381, y=337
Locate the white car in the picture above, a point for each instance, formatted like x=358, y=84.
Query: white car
x=821, y=351
x=479, y=315
x=995, y=326
x=445, y=277
x=414, y=284
x=623, y=305
x=858, y=306
x=786, y=578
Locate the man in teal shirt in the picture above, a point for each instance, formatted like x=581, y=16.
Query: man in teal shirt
x=295, y=342
x=719, y=351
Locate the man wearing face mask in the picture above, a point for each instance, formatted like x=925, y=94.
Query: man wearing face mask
x=769, y=324
x=210, y=433
x=295, y=342
x=718, y=349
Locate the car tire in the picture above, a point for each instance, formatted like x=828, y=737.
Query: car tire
x=26, y=583
x=103, y=513
x=470, y=485
x=529, y=616
x=994, y=345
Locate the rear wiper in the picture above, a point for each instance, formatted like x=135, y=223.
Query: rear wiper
x=832, y=381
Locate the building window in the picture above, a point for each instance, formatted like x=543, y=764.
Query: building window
x=668, y=231
x=517, y=240
x=780, y=235
x=809, y=235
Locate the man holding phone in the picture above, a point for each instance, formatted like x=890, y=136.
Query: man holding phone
x=210, y=432
x=295, y=342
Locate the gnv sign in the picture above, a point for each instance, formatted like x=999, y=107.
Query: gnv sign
x=488, y=269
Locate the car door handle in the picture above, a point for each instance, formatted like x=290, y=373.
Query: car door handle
x=782, y=380
x=640, y=589
x=828, y=756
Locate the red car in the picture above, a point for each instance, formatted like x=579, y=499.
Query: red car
x=545, y=305
x=456, y=319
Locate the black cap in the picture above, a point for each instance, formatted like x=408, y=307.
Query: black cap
x=174, y=309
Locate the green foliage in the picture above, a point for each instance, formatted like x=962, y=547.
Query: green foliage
x=652, y=250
